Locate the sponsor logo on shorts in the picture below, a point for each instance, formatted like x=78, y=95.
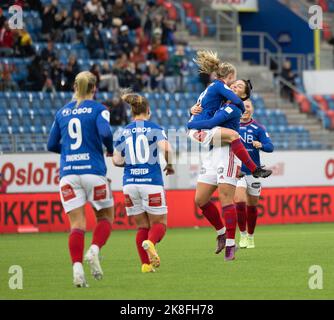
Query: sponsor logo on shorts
x=155, y=200
x=128, y=201
x=202, y=171
x=100, y=192
x=67, y=192
x=220, y=170
x=256, y=185
x=200, y=136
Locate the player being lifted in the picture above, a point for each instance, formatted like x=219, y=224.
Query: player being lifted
x=137, y=150
x=211, y=99
x=78, y=133
x=221, y=169
x=255, y=138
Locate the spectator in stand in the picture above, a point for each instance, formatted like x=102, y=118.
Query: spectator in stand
x=2, y=19
x=95, y=70
x=57, y=73
x=3, y=185
x=108, y=80
x=117, y=108
x=124, y=40
x=49, y=19
x=118, y=10
x=94, y=12
x=48, y=86
x=6, y=40
x=132, y=15
x=159, y=51
x=60, y=23
x=288, y=75
x=48, y=54
x=24, y=43
x=6, y=81
x=151, y=11
x=168, y=29
x=137, y=56
x=35, y=74
x=156, y=77
x=176, y=70
x=74, y=27
x=95, y=45
x=70, y=72
x=78, y=5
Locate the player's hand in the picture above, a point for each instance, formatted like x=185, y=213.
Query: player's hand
x=196, y=109
x=169, y=169
x=257, y=144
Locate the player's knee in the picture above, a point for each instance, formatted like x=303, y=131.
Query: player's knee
x=200, y=202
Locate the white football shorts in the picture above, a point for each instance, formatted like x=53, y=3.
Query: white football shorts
x=251, y=184
x=77, y=190
x=140, y=198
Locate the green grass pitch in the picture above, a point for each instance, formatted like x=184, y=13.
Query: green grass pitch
x=278, y=268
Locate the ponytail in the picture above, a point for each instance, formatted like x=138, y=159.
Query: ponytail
x=139, y=104
x=84, y=85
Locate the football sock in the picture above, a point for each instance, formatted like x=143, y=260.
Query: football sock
x=230, y=216
x=142, y=234
x=240, y=151
x=101, y=233
x=242, y=216
x=157, y=232
x=76, y=243
x=210, y=211
x=251, y=219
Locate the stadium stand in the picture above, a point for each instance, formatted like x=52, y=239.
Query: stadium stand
x=37, y=82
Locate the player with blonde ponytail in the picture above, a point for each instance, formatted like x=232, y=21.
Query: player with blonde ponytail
x=78, y=134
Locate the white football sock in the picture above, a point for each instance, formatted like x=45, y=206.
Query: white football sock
x=230, y=242
x=78, y=268
x=221, y=231
x=95, y=249
x=243, y=233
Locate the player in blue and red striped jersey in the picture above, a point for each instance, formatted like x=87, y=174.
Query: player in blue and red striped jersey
x=78, y=134
x=137, y=149
x=255, y=139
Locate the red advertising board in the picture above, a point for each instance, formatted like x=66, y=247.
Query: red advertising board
x=43, y=212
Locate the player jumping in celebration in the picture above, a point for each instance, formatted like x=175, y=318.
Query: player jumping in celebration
x=255, y=138
x=222, y=169
x=78, y=133
x=137, y=150
x=211, y=99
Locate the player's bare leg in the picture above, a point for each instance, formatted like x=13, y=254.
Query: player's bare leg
x=76, y=245
x=105, y=218
x=203, y=195
x=157, y=231
x=143, y=227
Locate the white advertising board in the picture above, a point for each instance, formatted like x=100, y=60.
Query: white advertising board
x=30, y=173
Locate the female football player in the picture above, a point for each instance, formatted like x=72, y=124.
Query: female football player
x=255, y=138
x=221, y=169
x=138, y=151
x=78, y=133
x=211, y=99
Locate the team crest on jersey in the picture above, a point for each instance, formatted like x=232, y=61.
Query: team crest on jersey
x=66, y=112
